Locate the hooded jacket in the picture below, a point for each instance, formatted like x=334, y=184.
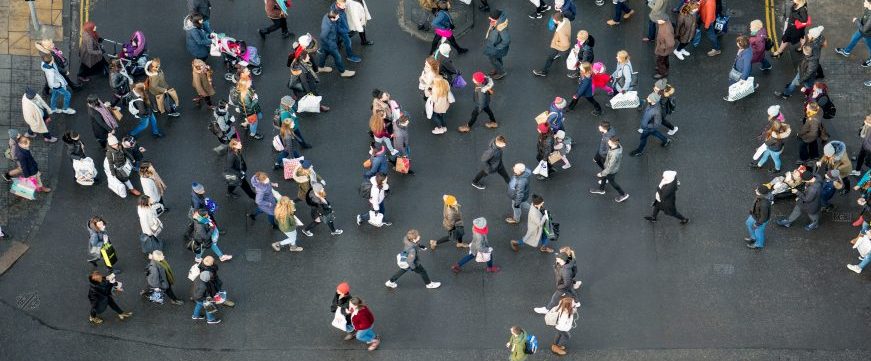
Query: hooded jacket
x=757, y=44
x=569, y=10
x=497, y=38
x=99, y=294
x=264, y=198
x=492, y=158
x=534, y=226
x=160, y=275
x=451, y=218
x=157, y=84
x=810, y=130
x=761, y=210
x=664, y=39
x=612, y=161
x=196, y=40
x=442, y=20
x=518, y=187
x=555, y=117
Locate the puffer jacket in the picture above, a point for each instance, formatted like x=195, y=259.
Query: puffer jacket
x=157, y=84
x=497, y=39
x=810, y=130
x=492, y=158
x=518, y=187
x=612, y=161
x=264, y=199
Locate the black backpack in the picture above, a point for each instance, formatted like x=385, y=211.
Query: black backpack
x=365, y=189
x=829, y=109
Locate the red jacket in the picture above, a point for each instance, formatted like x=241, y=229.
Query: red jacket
x=708, y=12
x=601, y=80
x=362, y=319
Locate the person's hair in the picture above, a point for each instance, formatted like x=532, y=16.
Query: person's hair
x=356, y=301
x=501, y=139
x=376, y=122
x=47, y=58
x=622, y=56
x=434, y=64
x=801, y=2
x=567, y=251
x=95, y=275
x=208, y=260
x=558, y=16
x=154, y=61
x=380, y=179
x=516, y=330
x=196, y=17
x=689, y=7
x=412, y=234
x=742, y=42
x=583, y=35
x=615, y=139
x=233, y=143
x=202, y=212
x=822, y=86
x=376, y=93
x=286, y=128
x=24, y=142
x=536, y=199
x=146, y=169
x=92, y=223
x=814, y=107
x=565, y=304
x=585, y=68
x=261, y=176
x=756, y=25
x=285, y=208
x=440, y=87
x=144, y=201
x=605, y=124
x=807, y=47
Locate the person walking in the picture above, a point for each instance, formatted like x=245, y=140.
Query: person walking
x=864, y=157
x=401, y=139
x=560, y=42
x=377, y=162
x=204, y=303
x=492, y=162
x=287, y=223
x=58, y=85
x=687, y=20
x=97, y=238
x=443, y=28
x=796, y=22
x=376, y=215
x=197, y=39
x=152, y=185
x=160, y=277
x=620, y=8
x=556, y=114
x=585, y=89
x=330, y=45
x=708, y=11
x=863, y=31
x=103, y=122
x=150, y=226
x=439, y=102
x=358, y=16
x=200, y=201
x=100, y=297
x=650, y=122
x=481, y=96
x=759, y=45
x=809, y=134
x=120, y=164
x=90, y=53
x=566, y=319
x=517, y=344
x=610, y=168
x=206, y=235
x=339, y=307
x=234, y=173
x=215, y=286
x=535, y=222
x=565, y=283
x=141, y=104
x=286, y=112
x=664, y=47
x=806, y=73
x=666, y=103
x=29, y=167
x=410, y=250
x=380, y=131
x=305, y=177
x=658, y=12
x=121, y=83
x=158, y=87
x=623, y=77
x=264, y=197
x=666, y=198
x=201, y=79
x=543, y=149
x=36, y=112
x=773, y=139
x=479, y=248
x=452, y=221
x=47, y=47
x=807, y=201
x=202, y=8
x=497, y=40
x=760, y=213
x=518, y=192
x=276, y=11
x=344, y=30
x=540, y=7
x=321, y=210
x=363, y=322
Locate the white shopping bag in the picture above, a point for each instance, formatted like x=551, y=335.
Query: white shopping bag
x=114, y=184
x=541, y=169
x=572, y=58
x=762, y=148
x=277, y=144
x=741, y=89
x=339, y=320
x=85, y=171
x=429, y=108
x=863, y=245
x=310, y=103
x=376, y=219
x=625, y=100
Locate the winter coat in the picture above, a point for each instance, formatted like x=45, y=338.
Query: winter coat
x=264, y=199
x=686, y=27
x=446, y=67
x=306, y=81
x=808, y=69
x=150, y=189
x=53, y=77
x=775, y=141
x=160, y=275
x=569, y=10
x=481, y=95
x=201, y=291
x=99, y=295
x=202, y=7
x=517, y=343
x=658, y=10
x=622, y=71
x=518, y=187
x=95, y=241
x=497, y=39
x=809, y=198
x=492, y=158
x=400, y=139
x=442, y=20
x=29, y=168
x=652, y=117
x=34, y=110
x=90, y=52
x=555, y=118
x=757, y=45
x=761, y=211
x=247, y=103
x=379, y=164
x=707, y=12
x=562, y=36
x=343, y=19
x=142, y=109
x=362, y=318
x=585, y=50
x=451, y=218
x=585, y=87
x=664, y=39
x=743, y=62
x=564, y=278
x=287, y=224
x=329, y=34
x=603, y=142
x=479, y=243
x=236, y=164
x=341, y=303
x=544, y=147
x=358, y=15
x=202, y=83
x=98, y=124
x=157, y=84
x=864, y=23
x=203, y=232
x=273, y=11
x=377, y=195
x=667, y=197
x=197, y=42
x=534, y=226
x=810, y=130
x=612, y=161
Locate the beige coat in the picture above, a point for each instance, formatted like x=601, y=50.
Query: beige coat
x=358, y=15
x=33, y=111
x=157, y=84
x=534, y=227
x=562, y=36
x=202, y=82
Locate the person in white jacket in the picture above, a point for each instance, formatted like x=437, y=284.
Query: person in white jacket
x=358, y=15
x=148, y=221
x=57, y=84
x=562, y=317
x=152, y=185
x=35, y=112
x=376, y=215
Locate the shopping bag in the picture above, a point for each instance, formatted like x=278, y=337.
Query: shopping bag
x=85, y=171
x=114, y=184
x=376, y=219
x=403, y=165
x=541, y=169
x=290, y=166
x=721, y=24
x=194, y=272
x=169, y=104
x=484, y=255
x=277, y=144
x=625, y=100
x=863, y=245
x=459, y=82
x=108, y=254
x=741, y=89
x=24, y=188
x=339, y=320
x=429, y=108
x=554, y=157
x=762, y=148
x=541, y=118
x=116, y=112
x=550, y=317
x=309, y=103
x=572, y=58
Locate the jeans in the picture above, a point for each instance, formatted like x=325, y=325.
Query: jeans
x=756, y=233
x=712, y=36
x=198, y=310
x=334, y=53
x=252, y=128
x=790, y=88
x=419, y=270
x=144, y=122
x=775, y=157
x=648, y=132
x=855, y=40
x=367, y=335
x=561, y=336
x=484, y=173
x=558, y=294
x=214, y=248
x=386, y=141
x=517, y=209
x=345, y=39
x=62, y=91
x=291, y=238
x=269, y=216
x=553, y=55
x=477, y=111
x=609, y=179
x=861, y=264
x=619, y=9
x=497, y=63
x=284, y=154
x=796, y=212
x=439, y=119
x=764, y=62
x=470, y=257
x=299, y=137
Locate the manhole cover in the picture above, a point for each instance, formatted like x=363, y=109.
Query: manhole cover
x=28, y=301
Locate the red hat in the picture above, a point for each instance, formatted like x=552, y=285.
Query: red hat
x=343, y=288
x=478, y=77
x=543, y=128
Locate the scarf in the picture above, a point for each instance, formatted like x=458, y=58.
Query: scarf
x=478, y=230
x=107, y=116
x=169, y=276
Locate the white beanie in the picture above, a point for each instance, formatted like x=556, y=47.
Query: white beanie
x=111, y=140
x=773, y=110
x=445, y=50
x=815, y=32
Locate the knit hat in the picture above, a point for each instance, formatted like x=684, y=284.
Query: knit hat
x=343, y=288
x=198, y=188
x=816, y=32
x=829, y=150
x=763, y=190
x=29, y=92
x=287, y=101
x=560, y=134
x=479, y=77
x=495, y=14
x=479, y=225
x=449, y=200
x=661, y=83
x=653, y=97
x=807, y=175
x=205, y=276
x=111, y=140
x=773, y=110
x=834, y=174
x=305, y=164
x=13, y=134
x=559, y=102
x=445, y=50
x=543, y=128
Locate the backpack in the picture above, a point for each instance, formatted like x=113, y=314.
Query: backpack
x=670, y=105
x=402, y=259
x=829, y=109
x=366, y=189
x=531, y=345
x=769, y=44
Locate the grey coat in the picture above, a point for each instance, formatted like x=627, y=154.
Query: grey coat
x=809, y=198
x=612, y=161
x=157, y=276
x=564, y=279
x=492, y=158
x=400, y=139
x=479, y=243
x=603, y=143
x=411, y=248
x=518, y=187
x=534, y=227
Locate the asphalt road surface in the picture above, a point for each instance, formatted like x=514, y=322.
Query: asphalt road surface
x=651, y=291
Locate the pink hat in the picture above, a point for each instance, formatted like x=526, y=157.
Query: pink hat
x=598, y=66
x=478, y=77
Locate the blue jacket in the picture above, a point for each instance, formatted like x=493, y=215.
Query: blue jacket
x=498, y=40
x=379, y=164
x=518, y=187
x=652, y=117
x=29, y=167
x=442, y=20
x=585, y=87
x=743, y=63
x=329, y=33
x=569, y=10
x=343, y=19
x=198, y=42
x=555, y=118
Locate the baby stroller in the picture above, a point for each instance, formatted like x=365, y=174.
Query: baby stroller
x=236, y=53
x=132, y=54
x=782, y=186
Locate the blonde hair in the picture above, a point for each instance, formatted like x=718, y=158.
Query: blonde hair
x=433, y=64
x=440, y=87
x=284, y=208
x=756, y=25
x=286, y=128
x=622, y=56
x=583, y=35
x=412, y=234
x=586, y=68
x=234, y=142
x=261, y=176
x=376, y=121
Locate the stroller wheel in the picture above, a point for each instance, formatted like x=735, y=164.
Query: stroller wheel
x=257, y=70
x=229, y=76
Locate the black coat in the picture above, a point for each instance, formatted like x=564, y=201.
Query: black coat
x=492, y=158
x=28, y=165
x=341, y=303
x=544, y=147
x=667, y=198
x=98, y=125
x=236, y=164
x=99, y=294
x=117, y=158
x=761, y=210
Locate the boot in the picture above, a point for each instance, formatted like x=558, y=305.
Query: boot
x=95, y=320
x=456, y=268
x=464, y=129
x=493, y=269
x=491, y=125
x=229, y=303
x=124, y=315
x=462, y=245
x=433, y=244
x=557, y=350
x=515, y=246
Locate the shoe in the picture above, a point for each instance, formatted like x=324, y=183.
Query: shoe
x=295, y=249
x=622, y=198
x=557, y=350
x=629, y=15
x=658, y=76
x=462, y=50
x=596, y=113
x=842, y=51
x=499, y=75
x=307, y=233
x=347, y=73
x=359, y=220
x=855, y=173
x=612, y=22
x=96, y=320
x=765, y=68
x=462, y=245
x=390, y=284
x=673, y=131
x=354, y=59
x=577, y=285
x=685, y=52
x=226, y=258
x=600, y=2
x=515, y=246
x=491, y=125
x=597, y=191
x=456, y=268
x=752, y=246
x=256, y=136
x=646, y=40
x=84, y=79
x=436, y=131
x=573, y=75
x=324, y=109
x=463, y=129
x=535, y=15
x=636, y=153
x=174, y=114
x=6, y=177
x=851, y=267
x=545, y=249
x=640, y=131
x=510, y=220
x=45, y=190
x=198, y=317
x=781, y=95
x=157, y=135
x=650, y=219
x=229, y=303
x=30, y=135
x=337, y=232
x=386, y=224
x=484, y=8
x=124, y=315
x=678, y=54
x=537, y=72
x=287, y=35
x=749, y=240
x=68, y=111
x=262, y=34
x=547, y=7
x=540, y=310
x=7, y=235
x=479, y=186
x=177, y=302
x=867, y=83
x=325, y=69
x=866, y=63
x=394, y=152
x=685, y=221
x=714, y=52
x=812, y=226
x=350, y=336
x=134, y=192
x=433, y=244
x=493, y=269
x=276, y=247
x=374, y=345
x=50, y=140
x=784, y=223
x=566, y=166
x=214, y=322
x=667, y=143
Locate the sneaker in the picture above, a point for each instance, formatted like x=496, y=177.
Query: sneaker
x=68, y=111
x=436, y=130
x=347, y=73
x=854, y=268
x=535, y=15
x=295, y=249
x=176, y=302
x=262, y=34
x=547, y=7
x=354, y=59
x=781, y=95
x=866, y=63
x=752, y=246
x=636, y=153
x=394, y=152
x=714, y=52
x=386, y=224
x=622, y=198
x=812, y=226
x=842, y=51
x=667, y=143
x=198, y=317
x=640, y=131
x=855, y=173
x=174, y=114
x=359, y=221
x=325, y=69
x=650, y=219
x=434, y=285
x=337, y=232
x=255, y=136
x=276, y=247
x=600, y=2
x=685, y=221
x=597, y=191
x=50, y=140
x=678, y=54
x=673, y=131
x=226, y=258
x=124, y=315
x=540, y=310
x=491, y=125
x=97, y=320
x=765, y=68
x=539, y=73
x=510, y=220
x=390, y=284
x=479, y=186
x=214, y=322
x=573, y=75
x=307, y=233
x=867, y=83
x=612, y=22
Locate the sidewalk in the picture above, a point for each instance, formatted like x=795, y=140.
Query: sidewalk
x=19, y=67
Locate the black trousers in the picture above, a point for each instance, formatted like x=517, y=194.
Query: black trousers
x=280, y=23
x=863, y=159
x=419, y=270
x=501, y=170
x=245, y=187
x=111, y=304
x=589, y=99
x=436, y=40
x=101, y=67
x=600, y=160
x=674, y=214
x=662, y=65
x=808, y=151
x=609, y=179
x=455, y=234
x=477, y=111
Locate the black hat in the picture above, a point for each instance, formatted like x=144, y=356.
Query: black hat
x=495, y=14
x=807, y=175
x=763, y=190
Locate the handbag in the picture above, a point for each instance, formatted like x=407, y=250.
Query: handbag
x=741, y=89
x=109, y=255
x=721, y=24
x=85, y=171
x=572, y=59
x=541, y=118
x=429, y=108
x=24, y=188
x=550, y=317
x=116, y=112
x=277, y=144
x=483, y=256
x=625, y=100
x=194, y=272
x=339, y=320
x=169, y=103
x=554, y=157
x=157, y=226
x=458, y=82
x=125, y=169
x=232, y=179
x=290, y=165
x=309, y=103
x=762, y=148
x=541, y=168
x=403, y=165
